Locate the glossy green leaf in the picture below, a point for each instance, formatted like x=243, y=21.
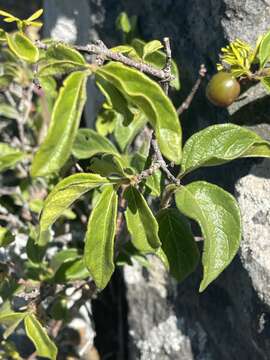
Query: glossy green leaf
x=3, y=36
x=89, y=143
x=124, y=135
x=258, y=150
x=8, y=111
x=37, y=14
x=114, y=99
x=9, y=156
x=157, y=59
x=9, y=19
x=65, y=193
x=266, y=83
x=11, y=320
x=153, y=102
x=7, y=14
x=37, y=334
x=22, y=47
x=64, y=256
x=6, y=237
x=178, y=243
x=61, y=59
x=264, y=50
x=141, y=222
x=61, y=52
x=70, y=271
x=122, y=49
x=99, y=240
x=57, y=68
x=107, y=165
x=151, y=47
x=218, y=215
x=66, y=115
x=35, y=252
x=153, y=182
x=218, y=144
x=106, y=121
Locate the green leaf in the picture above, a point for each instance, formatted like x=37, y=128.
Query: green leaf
x=99, y=244
x=9, y=156
x=22, y=47
x=264, y=50
x=3, y=37
x=61, y=52
x=5, y=13
x=151, y=47
x=57, y=68
x=107, y=165
x=141, y=222
x=266, y=83
x=124, y=135
x=106, y=121
x=70, y=271
x=8, y=111
x=122, y=49
x=178, y=243
x=37, y=334
x=150, y=99
x=11, y=320
x=123, y=23
x=56, y=148
x=65, y=193
x=219, y=144
x=9, y=19
x=157, y=59
x=61, y=59
x=35, y=252
x=89, y=143
x=153, y=182
x=114, y=99
x=64, y=256
x=6, y=237
x=218, y=215
x=36, y=15
x=258, y=150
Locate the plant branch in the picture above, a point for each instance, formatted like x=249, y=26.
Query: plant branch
x=163, y=164
x=168, y=66
x=101, y=49
x=186, y=104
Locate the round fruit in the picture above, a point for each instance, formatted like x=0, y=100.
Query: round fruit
x=222, y=89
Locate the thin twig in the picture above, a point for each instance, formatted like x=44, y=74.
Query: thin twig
x=167, y=197
x=120, y=221
x=168, y=66
x=185, y=105
x=101, y=50
x=27, y=102
x=163, y=164
x=155, y=165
